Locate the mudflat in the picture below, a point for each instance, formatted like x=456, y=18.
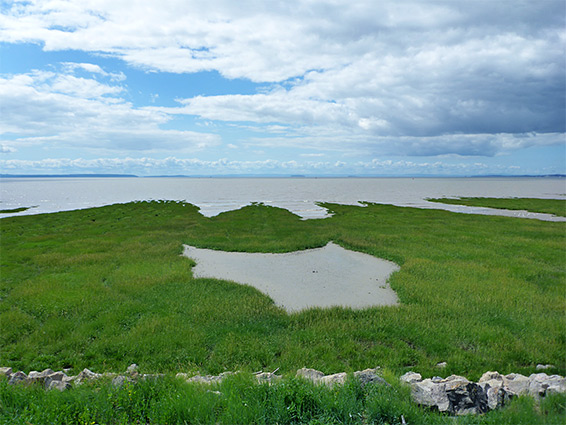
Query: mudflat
x=320, y=277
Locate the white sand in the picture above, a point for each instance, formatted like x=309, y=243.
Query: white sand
x=321, y=277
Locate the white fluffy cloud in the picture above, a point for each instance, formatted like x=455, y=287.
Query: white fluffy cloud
x=193, y=166
x=58, y=110
x=362, y=78
x=273, y=41
x=453, y=95
x=93, y=69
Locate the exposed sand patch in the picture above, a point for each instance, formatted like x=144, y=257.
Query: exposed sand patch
x=321, y=277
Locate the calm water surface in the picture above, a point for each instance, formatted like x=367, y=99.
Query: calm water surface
x=298, y=195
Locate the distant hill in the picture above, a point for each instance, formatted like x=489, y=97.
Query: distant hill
x=416, y=176
x=42, y=176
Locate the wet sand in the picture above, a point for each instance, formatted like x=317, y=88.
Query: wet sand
x=321, y=277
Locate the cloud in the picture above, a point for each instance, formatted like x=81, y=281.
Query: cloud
x=58, y=109
x=351, y=145
x=6, y=149
x=192, y=166
x=267, y=41
x=367, y=78
x=93, y=69
x=507, y=84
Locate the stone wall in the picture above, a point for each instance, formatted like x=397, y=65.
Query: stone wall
x=455, y=394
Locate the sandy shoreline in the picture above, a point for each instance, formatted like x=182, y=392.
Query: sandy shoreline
x=320, y=277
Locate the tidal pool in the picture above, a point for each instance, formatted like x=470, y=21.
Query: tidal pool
x=320, y=277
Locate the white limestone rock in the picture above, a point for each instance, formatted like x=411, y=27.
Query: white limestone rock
x=310, y=374
x=334, y=379
x=411, y=377
x=516, y=384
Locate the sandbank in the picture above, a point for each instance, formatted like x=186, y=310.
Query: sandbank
x=320, y=277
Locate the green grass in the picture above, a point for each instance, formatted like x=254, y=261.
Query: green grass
x=238, y=400
x=14, y=210
x=106, y=287
x=548, y=206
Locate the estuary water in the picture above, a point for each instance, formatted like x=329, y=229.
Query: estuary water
x=298, y=195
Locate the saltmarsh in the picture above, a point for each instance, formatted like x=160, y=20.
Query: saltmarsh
x=106, y=287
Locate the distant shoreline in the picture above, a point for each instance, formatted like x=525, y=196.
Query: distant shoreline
x=263, y=176
x=42, y=176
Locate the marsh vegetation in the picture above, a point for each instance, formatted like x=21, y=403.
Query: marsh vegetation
x=106, y=287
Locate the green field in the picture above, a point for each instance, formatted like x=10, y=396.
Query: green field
x=106, y=287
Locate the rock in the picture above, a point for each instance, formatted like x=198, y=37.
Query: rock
x=39, y=376
x=454, y=394
x=69, y=379
x=57, y=376
x=492, y=384
x=310, y=374
x=210, y=379
x=52, y=384
x=369, y=376
x=453, y=381
x=431, y=394
x=335, y=379
x=537, y=384
x=56, y=380
x=6, y=371
x=540, y=384
x=467, y=398
x=516, y=384
x=132, y=369
x=497, y=396
x=411, y=377
x=366, y=376
x=33, y=374
x=545, y=366
x=86, y=375
x=18, y=378
x=266, y=377
x=556, y=384
x=204, y=379
x=490, y=376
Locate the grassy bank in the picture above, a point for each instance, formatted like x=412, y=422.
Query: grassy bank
x=106, y=287
x=238, y=400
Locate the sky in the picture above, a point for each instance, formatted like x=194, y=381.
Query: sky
x=283, y=87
